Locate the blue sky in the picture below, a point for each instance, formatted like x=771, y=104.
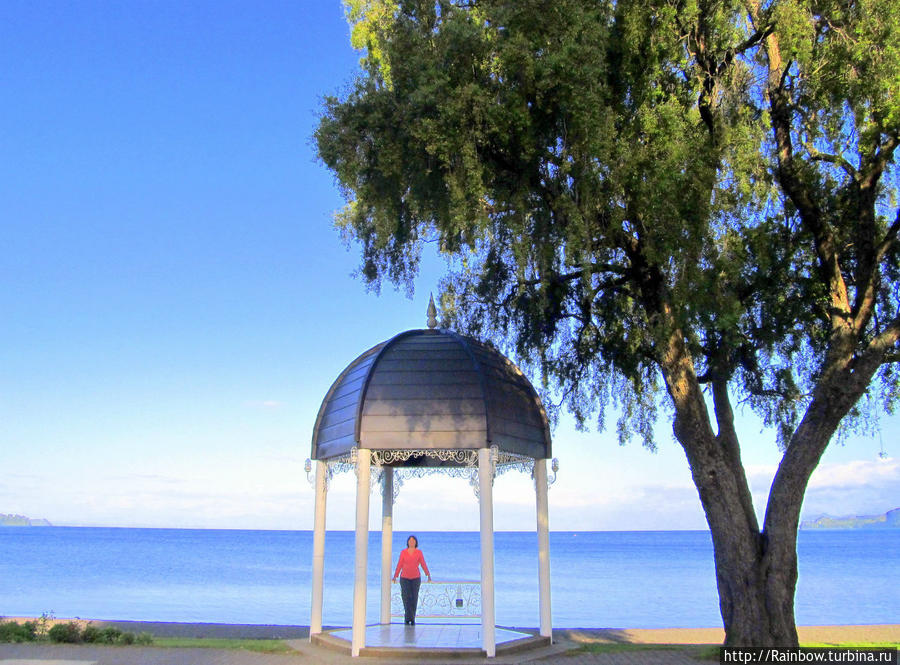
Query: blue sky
x=174, y=301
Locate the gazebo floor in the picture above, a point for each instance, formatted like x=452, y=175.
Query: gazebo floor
x=429, y=639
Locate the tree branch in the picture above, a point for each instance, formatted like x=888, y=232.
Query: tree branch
x=889, y=239
x=788, y=174
x=724, y=415
x=872, y=171
x=728, y=439
x=876, y=352
x=837, y=160
x=754, y=40
x=594, y=269
x=869, y=263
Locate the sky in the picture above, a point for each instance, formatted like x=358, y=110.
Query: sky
x=175, y=302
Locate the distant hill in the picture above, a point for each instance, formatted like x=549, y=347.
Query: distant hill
x=890, y=520
x=21, y=520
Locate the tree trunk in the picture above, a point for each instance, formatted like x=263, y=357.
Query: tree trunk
x=756, y=584
x=756, y=572
x=755, y=576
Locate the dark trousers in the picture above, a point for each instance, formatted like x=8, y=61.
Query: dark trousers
x=409, y=591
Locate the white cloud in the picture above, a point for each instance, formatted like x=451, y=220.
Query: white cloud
x=839, y=488
x=859, y=487
x=229, y=491
x=855, y=474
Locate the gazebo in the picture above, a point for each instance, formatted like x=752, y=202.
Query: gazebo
x=429, y=401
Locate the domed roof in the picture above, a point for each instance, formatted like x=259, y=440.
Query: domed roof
x=431, y=389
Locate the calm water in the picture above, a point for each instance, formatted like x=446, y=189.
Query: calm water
x=599, y=579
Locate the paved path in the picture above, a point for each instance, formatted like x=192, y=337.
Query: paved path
x=21, y=654
x=306, y=654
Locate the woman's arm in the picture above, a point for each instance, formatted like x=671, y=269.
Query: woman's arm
x=399, y=564
x=424, y=565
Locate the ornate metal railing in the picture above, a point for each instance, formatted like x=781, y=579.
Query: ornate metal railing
x=449, y=599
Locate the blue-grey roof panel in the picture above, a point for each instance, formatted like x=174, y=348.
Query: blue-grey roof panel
x=431, y=389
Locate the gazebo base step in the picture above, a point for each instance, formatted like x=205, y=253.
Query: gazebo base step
x=329, y=641
x=429, y=640
x=523, y=644
x=422, y=652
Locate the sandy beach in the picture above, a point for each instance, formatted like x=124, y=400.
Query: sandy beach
x=809, y=634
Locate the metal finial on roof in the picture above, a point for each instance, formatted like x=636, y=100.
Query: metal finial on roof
x=432, y=313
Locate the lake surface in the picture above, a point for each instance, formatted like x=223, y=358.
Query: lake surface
x=635, y=579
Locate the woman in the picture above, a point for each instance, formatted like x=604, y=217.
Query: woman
x=408, y=570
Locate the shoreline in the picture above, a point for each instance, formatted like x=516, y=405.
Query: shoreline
x=862, y=633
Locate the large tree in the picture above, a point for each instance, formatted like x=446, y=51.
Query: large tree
x=675, y=203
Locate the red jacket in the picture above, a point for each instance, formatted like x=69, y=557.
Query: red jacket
x=408, y=565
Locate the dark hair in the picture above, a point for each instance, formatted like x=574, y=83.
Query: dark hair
x=411, y=536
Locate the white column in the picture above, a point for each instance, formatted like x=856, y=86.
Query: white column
x=363, y=475
x=543, y=534
x=387, y=534
x=486, y=507
x=318, y=562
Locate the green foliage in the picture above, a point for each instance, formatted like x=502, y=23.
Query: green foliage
x=69, y=633
x=111, y=635
x=74, y=633
x=108, y=635
x=11, y=631
x=91, y=634
x=603, y=177
x=367, y=19
x=42, y=624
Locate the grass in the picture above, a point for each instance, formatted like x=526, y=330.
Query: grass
x=255, y=645
x=621, y=647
